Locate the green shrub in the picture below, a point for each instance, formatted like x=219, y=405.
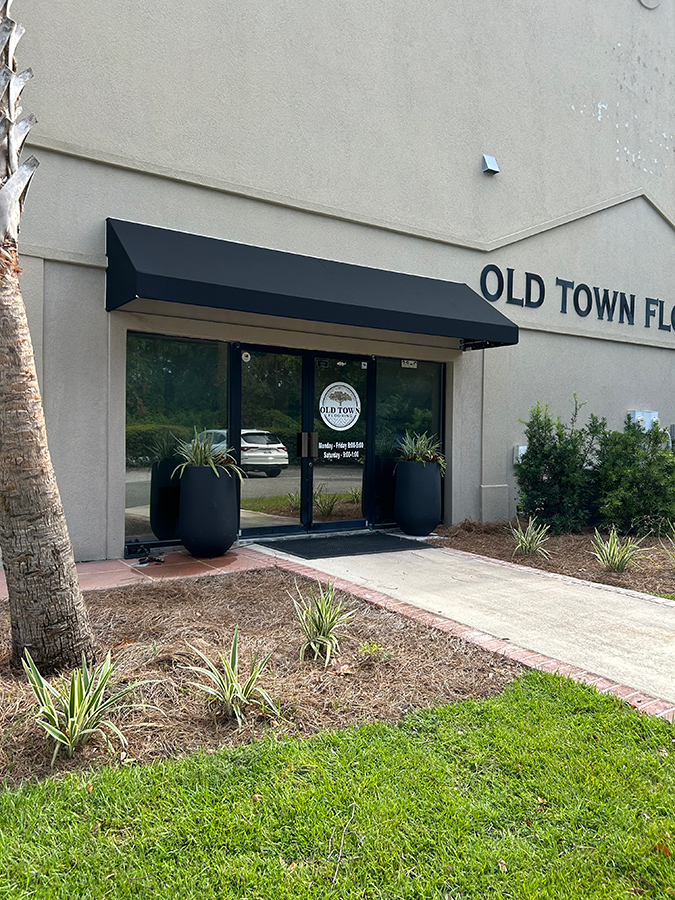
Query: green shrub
x=143, y=439
x=555, y=474
x=636, y=479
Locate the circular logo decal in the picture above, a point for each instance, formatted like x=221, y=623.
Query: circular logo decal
x=340, y=406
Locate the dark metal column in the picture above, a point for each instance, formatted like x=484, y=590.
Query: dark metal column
x=234, y=411
x=307, y=464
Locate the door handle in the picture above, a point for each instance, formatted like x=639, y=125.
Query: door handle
x=313, y=444
x=308, y=444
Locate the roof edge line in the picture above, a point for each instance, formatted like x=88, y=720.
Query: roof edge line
x=258, y=195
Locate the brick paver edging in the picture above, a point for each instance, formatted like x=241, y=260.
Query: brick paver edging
x=664, y=709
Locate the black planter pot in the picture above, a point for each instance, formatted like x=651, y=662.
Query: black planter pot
x=164, y=499
x=208, y=517
x=385, y=488
x=417, y=504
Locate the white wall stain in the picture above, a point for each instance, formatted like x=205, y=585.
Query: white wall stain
x=634, y=124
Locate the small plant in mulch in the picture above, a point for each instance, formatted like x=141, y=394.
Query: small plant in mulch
x=294, y=501
x=667, y=542
x=354, y=495
x=530, y=542
x=230, y=693
x=372, y=652
x=324, y=502
x=320, y=618
x=75, y=709
x=615, y=554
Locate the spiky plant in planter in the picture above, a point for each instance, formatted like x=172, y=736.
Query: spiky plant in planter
x=208, y=520
x=417, y=504
x=421, y=448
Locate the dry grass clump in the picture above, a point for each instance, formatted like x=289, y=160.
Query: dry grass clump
x=148, y=629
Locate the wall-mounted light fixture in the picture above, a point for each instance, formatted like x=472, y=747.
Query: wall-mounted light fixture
x=490, y=166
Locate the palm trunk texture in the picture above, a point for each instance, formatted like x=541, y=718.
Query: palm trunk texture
x=48, y=616
x=46, y=608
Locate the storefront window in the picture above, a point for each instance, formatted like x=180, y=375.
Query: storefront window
x=174, y=385
x=409, y=395
x=271, y=416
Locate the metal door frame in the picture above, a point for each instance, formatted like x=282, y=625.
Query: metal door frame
x=308, y=400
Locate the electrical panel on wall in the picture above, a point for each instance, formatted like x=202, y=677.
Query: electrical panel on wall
x=518, y=453
x=645, y=418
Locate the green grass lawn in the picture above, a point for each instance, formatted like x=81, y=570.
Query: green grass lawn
x=546, y=791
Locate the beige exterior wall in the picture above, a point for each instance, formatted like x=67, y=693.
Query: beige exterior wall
x=354, y=131
x=378, y=109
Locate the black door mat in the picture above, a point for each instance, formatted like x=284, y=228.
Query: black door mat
x=344, y=545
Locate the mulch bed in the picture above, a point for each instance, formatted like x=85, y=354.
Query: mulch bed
x=570, y=555
x=387, y=667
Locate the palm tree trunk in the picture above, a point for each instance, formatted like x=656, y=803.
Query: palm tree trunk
x=46, y=609
x=48, y=616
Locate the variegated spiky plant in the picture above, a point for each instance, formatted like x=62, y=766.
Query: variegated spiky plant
x=47, y=614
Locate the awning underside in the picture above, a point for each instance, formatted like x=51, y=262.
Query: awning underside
x=159, y=264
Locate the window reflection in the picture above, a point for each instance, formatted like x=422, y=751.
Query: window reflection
x=174, y=385
x=408, y=399
x=271, y=414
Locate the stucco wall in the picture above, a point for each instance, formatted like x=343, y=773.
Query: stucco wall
x=354, y=131
x=628, y=247
x=375, y=108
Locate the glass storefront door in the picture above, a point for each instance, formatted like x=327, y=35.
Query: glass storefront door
x=340, y=417
x=271, y=419
x=303, y=440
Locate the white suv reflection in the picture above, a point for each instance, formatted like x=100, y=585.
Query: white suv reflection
x=261, y=451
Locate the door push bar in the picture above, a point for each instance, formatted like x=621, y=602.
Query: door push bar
x=308, y=444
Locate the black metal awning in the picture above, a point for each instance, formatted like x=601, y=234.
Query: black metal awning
x=159, y=264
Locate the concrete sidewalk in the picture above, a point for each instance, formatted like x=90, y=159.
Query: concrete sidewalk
x=622, y=635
